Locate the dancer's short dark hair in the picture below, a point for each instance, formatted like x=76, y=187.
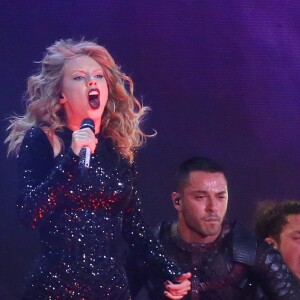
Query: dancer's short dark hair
x=204, y=164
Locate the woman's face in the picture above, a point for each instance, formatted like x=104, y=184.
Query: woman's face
x=84, y=91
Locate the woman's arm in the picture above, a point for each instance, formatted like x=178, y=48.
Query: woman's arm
x=42, y=185
x=149, y=251
x=141, y=240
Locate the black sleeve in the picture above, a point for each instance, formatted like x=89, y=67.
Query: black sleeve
x=142, y=242
x=41, y=182
x=273, y=275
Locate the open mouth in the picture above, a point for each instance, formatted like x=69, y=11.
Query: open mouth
x=94, y=98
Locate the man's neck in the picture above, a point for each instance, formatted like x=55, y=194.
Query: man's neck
x=192, y=237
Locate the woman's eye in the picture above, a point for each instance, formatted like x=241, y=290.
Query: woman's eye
x=99, y=76
x=78, y=78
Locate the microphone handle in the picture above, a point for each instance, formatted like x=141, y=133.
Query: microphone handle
x=84, y=161
x=85, y=152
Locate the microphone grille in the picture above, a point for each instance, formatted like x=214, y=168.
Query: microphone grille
x=88, y=123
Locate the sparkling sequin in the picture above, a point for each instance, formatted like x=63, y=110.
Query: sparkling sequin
x=81, y=223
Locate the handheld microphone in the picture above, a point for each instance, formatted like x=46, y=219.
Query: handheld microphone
x=85, y=152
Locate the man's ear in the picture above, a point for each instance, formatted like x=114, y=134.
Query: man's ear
x=271, y=242
x=176, y=201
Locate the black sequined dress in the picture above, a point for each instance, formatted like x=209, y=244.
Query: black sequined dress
x=81, y=223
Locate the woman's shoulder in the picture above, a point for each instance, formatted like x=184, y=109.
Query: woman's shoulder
x=35, y=134
x=36, y=138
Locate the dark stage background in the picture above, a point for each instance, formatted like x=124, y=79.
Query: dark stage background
x=221, y=77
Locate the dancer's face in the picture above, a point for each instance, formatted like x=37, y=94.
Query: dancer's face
x=202, y=206
x=290, y=243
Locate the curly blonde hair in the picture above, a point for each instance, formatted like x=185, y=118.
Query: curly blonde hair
x=122, y=115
